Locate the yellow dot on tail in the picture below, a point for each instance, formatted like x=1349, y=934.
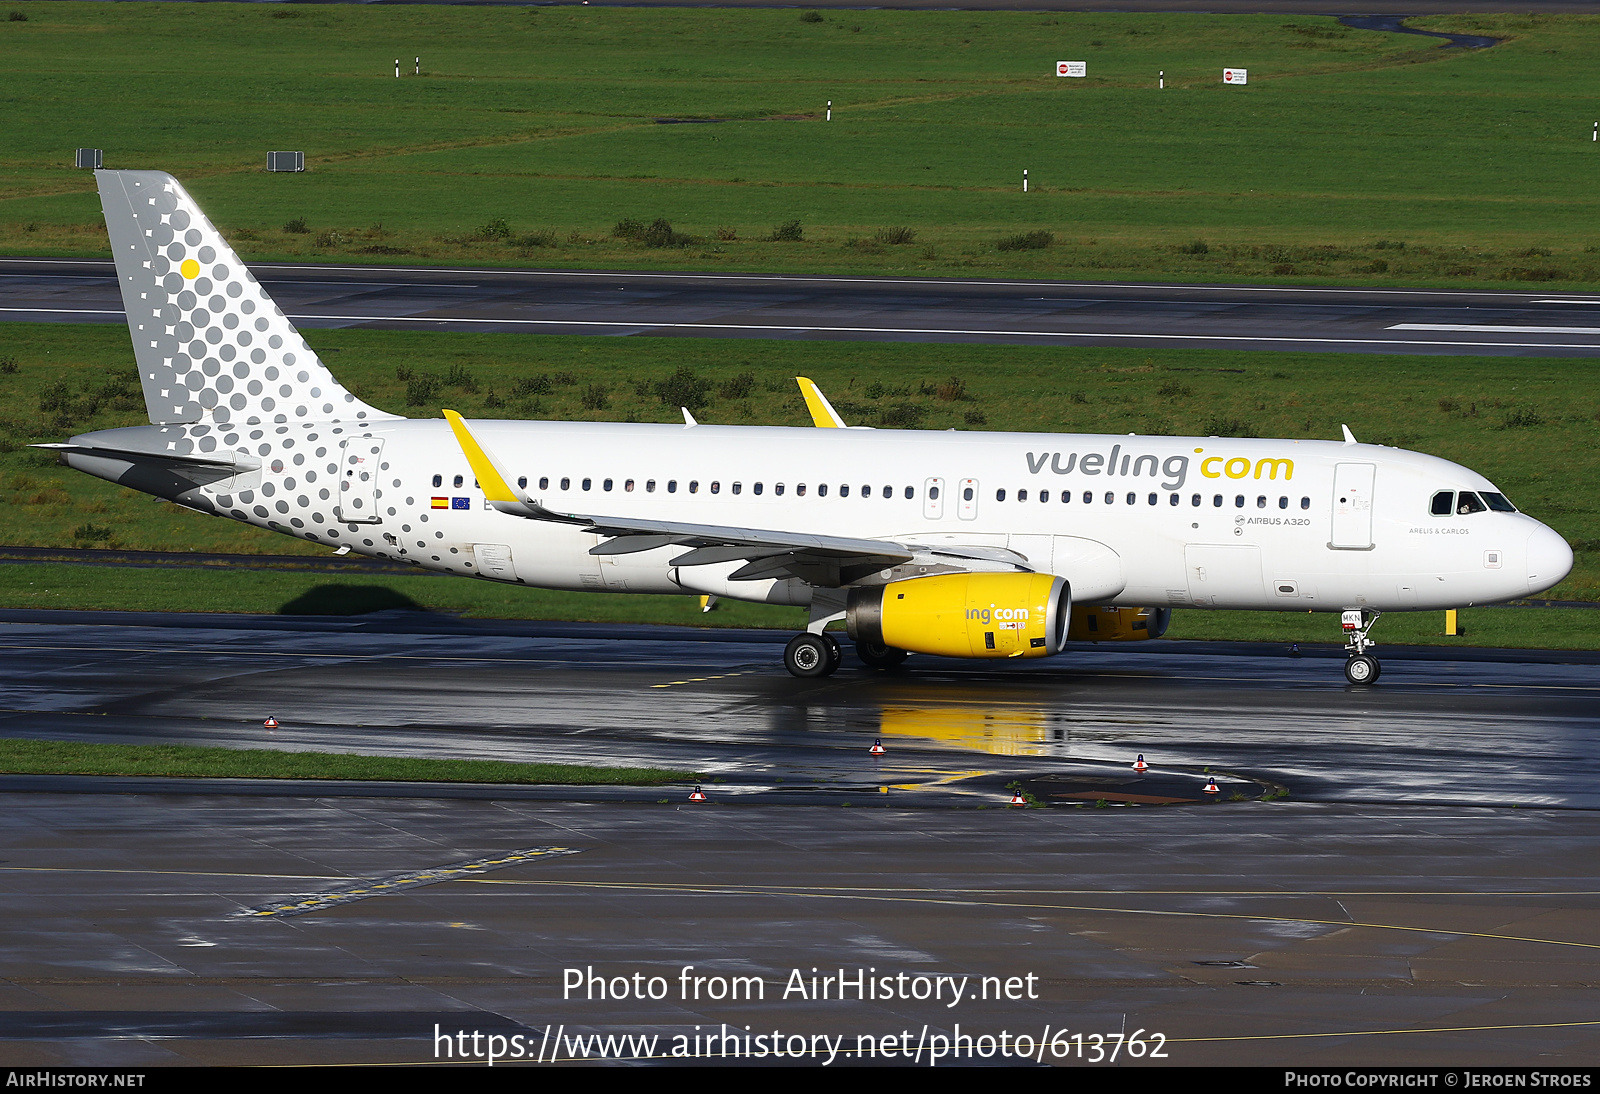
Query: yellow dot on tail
x=190, y=269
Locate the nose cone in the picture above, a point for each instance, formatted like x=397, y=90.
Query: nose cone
x=1549, y=559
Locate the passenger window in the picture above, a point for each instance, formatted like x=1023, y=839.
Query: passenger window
x=822, y=489
x=800, y=491
x=522, y=481
x=999, y=495
x=1173, y=499
x=1305, y=503
x=1133, y=499
x=694, y=486
x=910, y=493
x=1152, y=499
x=1088, y=497
x=866, y=491
x=778, y=489
x=1443, y=504
x=716, y=488
x=1066, y=497
x=1467, y=502
x=544, y=482
x=672, y=486
x=1283, y=502
x=649, y=486
x=844, y=490
x=756, y=489
x=607, y=485
x=588, y=483
x=628, y=486
x=1261, y=501
x=1110, y=498
x=458, y=482
x=1238, y=501
x=438, y=481
x=1022, y=495
x=1044, y=495
x=1498, y=502
x=1195, y=501
x=566, y=484
x=737, y=487
x=1216, y=501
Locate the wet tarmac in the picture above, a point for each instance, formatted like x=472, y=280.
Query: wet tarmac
x=874, y=309
x=1426, y=893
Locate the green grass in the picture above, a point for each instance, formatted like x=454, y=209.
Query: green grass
x=1479, y=162
x=1462, y=408
x=27, y=757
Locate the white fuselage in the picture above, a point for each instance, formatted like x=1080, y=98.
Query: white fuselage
x=1128, y=520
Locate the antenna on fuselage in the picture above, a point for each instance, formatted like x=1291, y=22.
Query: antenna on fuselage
x=1349, y=437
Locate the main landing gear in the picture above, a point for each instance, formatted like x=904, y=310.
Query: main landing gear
x=1360, y=667
x=812, y=655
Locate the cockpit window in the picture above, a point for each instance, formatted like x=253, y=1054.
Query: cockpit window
x=1467, y=502
x=1498, y=502
x=1444, y=503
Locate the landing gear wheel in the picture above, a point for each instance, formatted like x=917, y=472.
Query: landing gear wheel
x=1361, y=669
x=835, y=654
x=879, y=657
x=809, y=655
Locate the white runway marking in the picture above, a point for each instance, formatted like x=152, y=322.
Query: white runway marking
x=1485, y=328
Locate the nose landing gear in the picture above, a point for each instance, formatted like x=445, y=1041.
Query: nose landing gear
x=1360, y=667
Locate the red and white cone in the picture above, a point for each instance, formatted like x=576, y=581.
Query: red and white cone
x=1018, y=799
x=877, y=748
x=270, y=723
x=1139, y=764
x=698, y=795
x=1211, y=786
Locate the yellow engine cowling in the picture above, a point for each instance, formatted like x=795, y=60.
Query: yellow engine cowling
x=964, y=615
x=1118, y=624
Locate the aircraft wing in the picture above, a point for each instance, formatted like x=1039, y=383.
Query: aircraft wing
x=767, y=553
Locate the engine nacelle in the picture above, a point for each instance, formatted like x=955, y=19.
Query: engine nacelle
x=964, y=615
x=1118, y=624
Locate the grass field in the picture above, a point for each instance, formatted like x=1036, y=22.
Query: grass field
x=532, y=132
x=1530, y=424
x=27, y=757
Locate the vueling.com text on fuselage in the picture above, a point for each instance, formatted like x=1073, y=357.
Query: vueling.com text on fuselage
x=1175, y=469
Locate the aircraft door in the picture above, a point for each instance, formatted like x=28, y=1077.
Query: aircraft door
x=360, y=460
x=1352, y=506
x=967, y=500
x=933, y=499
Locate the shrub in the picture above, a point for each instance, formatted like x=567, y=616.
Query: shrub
x=1522, y=418
x=530, y=387
x=542, y=237
x=17, y=17
x=1198, y=247
x=977, y=417
x=683, y=388
x=8, y=365
x=1389, y=245
x=329, y=238
x=384, y=249
x=94, y=533
x=1538, y=273
x=901, y=416
x=952, y=390
x=1378, y=265
x=596, y=397
x=1027, y=241
x=563, y=379
x=805, y=17
x=1533, y=252
x=495, y=229
x=874, y=390
x=296, y=227
x=1078, y=397
x=1174, y=389
x=421, y=388
x=895, y=236
x=1283, y=269
x=493, y=401
x=739, y=387
x=55, y=396
x=459, y=376
x=1226, y=427
x=787, y=232
x=726, y=235
x=1448, y=405
x=660, y=234
x=628, y=228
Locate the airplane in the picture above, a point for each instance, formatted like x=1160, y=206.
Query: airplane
x=961, y=544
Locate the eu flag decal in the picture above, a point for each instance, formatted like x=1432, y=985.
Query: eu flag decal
x=461, y=503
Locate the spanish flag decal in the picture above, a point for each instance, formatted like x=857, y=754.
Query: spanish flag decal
x=441, y=503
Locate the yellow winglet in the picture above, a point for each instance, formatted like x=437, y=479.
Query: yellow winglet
x=822, y=413
x=491, y=480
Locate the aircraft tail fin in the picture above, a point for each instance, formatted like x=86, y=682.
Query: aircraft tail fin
x=211, y=345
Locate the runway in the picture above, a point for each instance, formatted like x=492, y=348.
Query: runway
x=1425, y=894
x=885, y=309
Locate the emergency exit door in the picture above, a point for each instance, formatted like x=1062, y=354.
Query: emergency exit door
x=1352, y=506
